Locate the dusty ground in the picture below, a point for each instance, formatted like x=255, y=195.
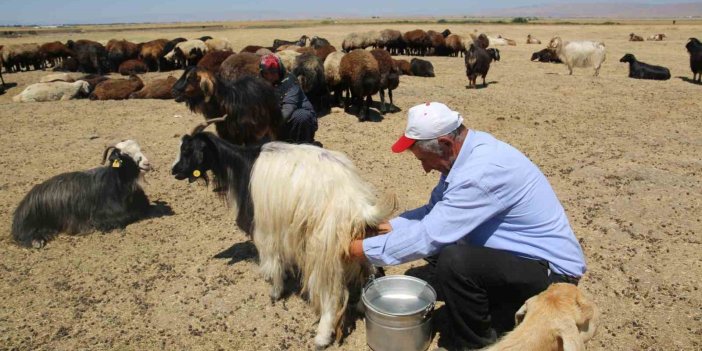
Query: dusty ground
x=623, y=156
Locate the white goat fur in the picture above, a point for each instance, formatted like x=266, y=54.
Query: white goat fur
x=579, y=53
x=186, y=47
x=331, y=68
x=132, y=148
x=309, y=204
x=52, y=91
x=287, y=58
x=62, y=77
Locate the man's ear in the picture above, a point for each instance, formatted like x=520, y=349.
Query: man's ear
x=446, y=144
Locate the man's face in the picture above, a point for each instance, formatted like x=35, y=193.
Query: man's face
x=432, y=161
x=271, y=76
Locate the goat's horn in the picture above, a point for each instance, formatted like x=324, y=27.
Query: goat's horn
x=200, y=127
x=107, y=150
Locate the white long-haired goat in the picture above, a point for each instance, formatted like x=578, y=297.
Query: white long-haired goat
x=579, y=53
x=308, y=205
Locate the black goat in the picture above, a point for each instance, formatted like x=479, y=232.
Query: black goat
x=103, y=198
x=280, y=42
x=546, y=55
x=421, y=68
x=91, y=56
x=230, y=164
x=640, y=70
x=477, y=62
x=694, y=47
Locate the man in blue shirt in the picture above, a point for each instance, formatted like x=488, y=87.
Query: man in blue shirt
x=493, y=227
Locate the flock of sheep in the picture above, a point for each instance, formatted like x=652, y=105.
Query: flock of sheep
x=226, y=89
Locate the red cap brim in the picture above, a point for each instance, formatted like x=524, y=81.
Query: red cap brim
x=402, y=144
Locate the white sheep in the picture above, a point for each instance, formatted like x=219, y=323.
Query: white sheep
x=218, y=44
x=287, y=57
x=62, y=77
x=189, y=50
x=579, y=53
x=52, y=91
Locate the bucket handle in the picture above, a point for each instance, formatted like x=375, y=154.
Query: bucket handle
x=428, y=311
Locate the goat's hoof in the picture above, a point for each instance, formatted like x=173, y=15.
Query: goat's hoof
x=38, y=243
x=275, y=295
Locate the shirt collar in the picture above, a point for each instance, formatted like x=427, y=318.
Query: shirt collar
x=463, y=155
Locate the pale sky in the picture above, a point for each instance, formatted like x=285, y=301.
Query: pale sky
x=45, y=12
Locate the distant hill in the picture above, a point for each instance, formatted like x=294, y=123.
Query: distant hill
x=602, y=9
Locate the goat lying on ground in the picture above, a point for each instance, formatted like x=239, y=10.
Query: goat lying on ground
x=302, y=204
x=640, y=70
x=103, y=198
x=558, y=319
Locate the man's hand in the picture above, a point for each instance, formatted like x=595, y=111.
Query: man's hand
x=356, y=250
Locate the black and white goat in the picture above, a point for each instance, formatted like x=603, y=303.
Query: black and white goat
x=303, y=205
x=103, y=198
x=640, y=70
x=477, y=62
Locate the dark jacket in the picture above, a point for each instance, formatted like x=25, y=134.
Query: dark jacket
x=291, y=96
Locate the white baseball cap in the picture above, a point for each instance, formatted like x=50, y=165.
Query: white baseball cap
x=427, y=121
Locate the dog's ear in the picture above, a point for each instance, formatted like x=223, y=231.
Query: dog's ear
x=587, y=318
x=521, y=313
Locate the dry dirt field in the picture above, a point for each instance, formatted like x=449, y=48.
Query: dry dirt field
x=623, y=155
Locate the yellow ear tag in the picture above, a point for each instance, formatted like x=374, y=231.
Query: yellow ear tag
x=196, y=173
x=116, y=164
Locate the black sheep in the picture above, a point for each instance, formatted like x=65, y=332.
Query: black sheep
x=640, y=70
x=477, y=62
x=91, y=56
x=694, y=47
x=103, y=199
x=280, y=42
x=546, y=55
x=318, y=42
x=421, y=68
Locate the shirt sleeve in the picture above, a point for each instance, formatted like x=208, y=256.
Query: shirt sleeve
x=291, y=97
x=461, y=210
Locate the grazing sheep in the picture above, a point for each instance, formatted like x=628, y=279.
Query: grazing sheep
x=16, y=57
x=102, y=199
x=119, y=51
x=392, y=41
x=360, y=40
x=421, y=68
x=69, y=64
x=324, y=51
x=52, y=91
x=333, y=76
x=560, y=318
x=360, y=76
x=152, y=53
x=694, y=47
x=187, y=53
x=532, y=40
x=640, y=70
x=55, y=52
x=404, y=66
x=91, y=56
x=318, y=42
x=131, y=67
x=545, y=55
x=302, y=205
x=116, y=89
x=656, y=37
x=634, y=37
x=156, y=89
x=218, y=44
x=438, y=43
x=62, y=77
x=213, y=60
x=389, y=77
x=279, y=42
x=579, y=53
x=454, y=44
x=477, y=62
x=418, y=42
x=309, y=70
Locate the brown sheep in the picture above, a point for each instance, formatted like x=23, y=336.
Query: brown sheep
x=392, y=41
x=152, y=53
x=116, y=89
x=306, y=50
x=213, y=59
x=634, y=37
x=361, y=76
x=404, y=66
x=156, y=89
x=480, y=41
x=389, y=77
x=119, y=51
x=418, y=42
x=532, y=40
x=16, y=57
x=93, y=80
x=69, y=64
x=130, y=67
x=239, y=65
x=54, y=52
x=333, y=77
x=454, y=43
x=252, y=48
x=324, y=51
x=438, y=42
